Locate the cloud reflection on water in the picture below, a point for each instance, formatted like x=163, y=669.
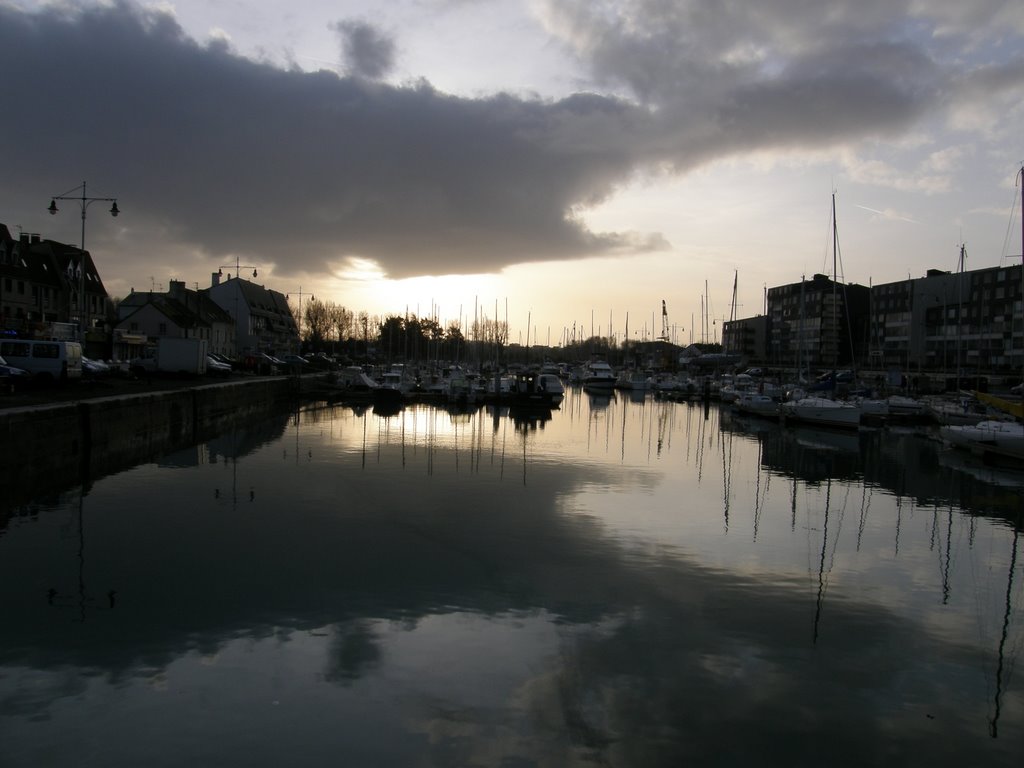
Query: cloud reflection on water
x=483, y=605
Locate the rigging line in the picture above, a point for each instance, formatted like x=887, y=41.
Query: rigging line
x=1010, y=229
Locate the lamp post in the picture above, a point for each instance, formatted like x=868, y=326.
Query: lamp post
x=84, y=201
x=220, y=273
x=298, y=325
x=237, y=266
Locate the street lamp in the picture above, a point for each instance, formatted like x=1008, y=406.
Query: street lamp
x=84, y=201
x=237, y=266
x=298, y=325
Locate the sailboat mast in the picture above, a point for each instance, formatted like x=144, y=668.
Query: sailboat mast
x=960, y=312
x=835, y=277
x=1020, y=175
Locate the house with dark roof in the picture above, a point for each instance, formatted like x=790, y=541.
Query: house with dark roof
x=41, y=290
x=144, y=317
x=263, y=319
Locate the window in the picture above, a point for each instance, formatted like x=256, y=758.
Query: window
x=46, y=350
x=12, y=349
x=162, y=329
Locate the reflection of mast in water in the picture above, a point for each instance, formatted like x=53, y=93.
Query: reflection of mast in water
x=726, y=451
x=822, y=571
x=296, y=420
x=231, y=455
x=993, y=726
x=792, y=506
x=622, y=436
x=81, y=599
x=363, y=452
x=947, y=560
x=759, y=500
x=700, y=448
x=663, y=420
x=899, y=523
x=865, y=504
x=946, y=557
x=822, y=581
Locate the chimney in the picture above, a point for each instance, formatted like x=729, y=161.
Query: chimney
x=177, y=290
x=215, y=279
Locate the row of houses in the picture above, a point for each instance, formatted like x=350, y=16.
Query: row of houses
x=51, y=289
x=946, y=322
x=943, y=322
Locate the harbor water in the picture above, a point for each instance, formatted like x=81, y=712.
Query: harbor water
x=621, y=581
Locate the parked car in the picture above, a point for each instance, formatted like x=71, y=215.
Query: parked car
x=215, y=367
x=13, y=378
x=94, y=369
x=233, y=364
x=295, y=362
x=320, y=361
x=264, y=363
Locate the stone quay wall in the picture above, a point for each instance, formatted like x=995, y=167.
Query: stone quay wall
x=62, y=445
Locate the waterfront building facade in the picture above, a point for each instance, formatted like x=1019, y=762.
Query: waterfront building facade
x=41, y=292
x=143, y=317
x=747, y=337
x=262, y=318
x=816, y=323
x=966, y=323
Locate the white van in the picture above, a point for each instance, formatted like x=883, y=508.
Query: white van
x=55, y=360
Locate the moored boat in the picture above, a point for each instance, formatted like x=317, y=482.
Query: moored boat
x=757, y=404
x=542, y=390
x=551, y=384
x=992, y=436
x=822, y=411
x=599, y=376
x=964, y=411
x=633, y=380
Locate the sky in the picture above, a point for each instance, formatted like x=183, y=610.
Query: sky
x=562, y=164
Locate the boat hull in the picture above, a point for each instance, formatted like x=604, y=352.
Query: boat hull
x=826, y=413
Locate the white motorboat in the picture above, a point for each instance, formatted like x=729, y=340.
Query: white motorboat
x=822, y=411
x=757, y=404
x=599, y=376
x=395, y=380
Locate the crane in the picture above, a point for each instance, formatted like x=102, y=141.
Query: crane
x=664, y=322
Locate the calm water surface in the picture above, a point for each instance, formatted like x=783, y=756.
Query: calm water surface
x=623, y=583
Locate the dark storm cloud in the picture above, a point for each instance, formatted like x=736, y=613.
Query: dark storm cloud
x=229, y=156
x=366, y=52
x=234, y=156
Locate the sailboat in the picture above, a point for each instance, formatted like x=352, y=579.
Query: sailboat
x=819, y=410
x=993, y=437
